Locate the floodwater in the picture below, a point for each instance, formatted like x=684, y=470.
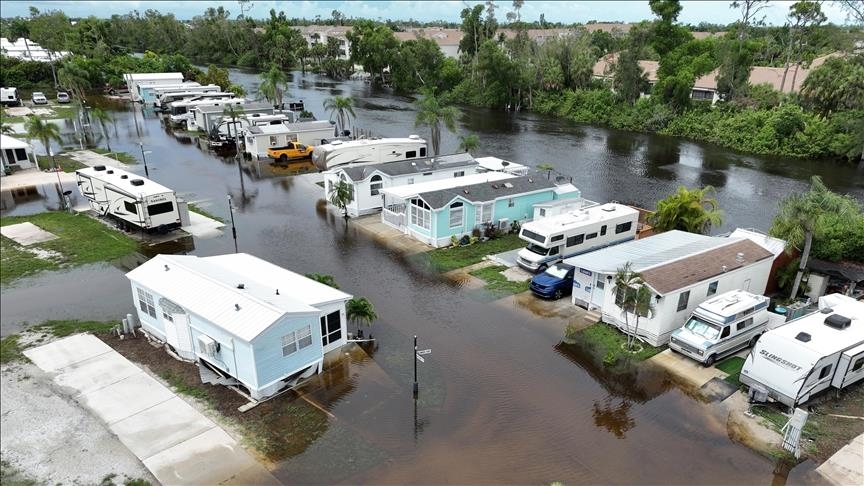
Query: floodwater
x=501, y=401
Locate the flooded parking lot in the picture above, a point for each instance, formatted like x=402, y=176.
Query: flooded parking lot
x=500, y=400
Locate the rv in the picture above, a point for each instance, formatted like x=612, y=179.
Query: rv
x=150, y=94
x=165, y=99
x=721, y=326
x=371, y=151
x=180, y=111
x=135, y=81
x=259, y=138
x=555, y=238
x=9, y=97
x=822, y=350
x=135, y=202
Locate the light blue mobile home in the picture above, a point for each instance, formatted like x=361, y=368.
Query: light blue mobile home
x=248, y=321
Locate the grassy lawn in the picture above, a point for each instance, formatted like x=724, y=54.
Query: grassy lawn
x=611, y=343
x=121, y=157
x=81, y=240
x=11, y=349
x=731, y=366
x=450, y=258
x=497, y=284
x=68, y=164
x=196, y=209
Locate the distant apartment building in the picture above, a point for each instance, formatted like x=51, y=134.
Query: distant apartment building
x=319, y=34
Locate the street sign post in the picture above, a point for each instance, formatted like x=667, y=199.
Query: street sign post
x=418, y=355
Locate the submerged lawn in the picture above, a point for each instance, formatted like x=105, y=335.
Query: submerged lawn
x=80, y=240
x=450, y=258
x=612, y=344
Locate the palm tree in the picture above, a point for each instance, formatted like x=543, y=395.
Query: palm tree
x=235, y=112
x=359, y=311
x=341, y=194
x=694, y=211
x=546, y=167
x=642, y=307
x=468, y=142
x=45, y=132
x=627, y=283
x=432, y=113
x=102, y=116
x=343, y=108
x=327, y=280
x=273, y=85
x=6, y=129
x=800, y=218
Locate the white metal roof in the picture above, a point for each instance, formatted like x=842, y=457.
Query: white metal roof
x=283, y=128
x=208, y=287
x=588, y=215
x=152, y=76
x=409, y=190
x=8, y=142
x=774, y=245
x=647, y=252
x=342, y=145
x=114, y=176
x=496, y=164
x=731, y=303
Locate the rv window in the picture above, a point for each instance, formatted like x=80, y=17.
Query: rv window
x=533, y=236
x=167, y=317
x=554, y=251
x=825, y=371
x=859, y=363
x=410, y=154
x=537, y=249
x=712, y=288
x=160, y=208
x=745, y=324
x=410, y=180
x=422, y=151
x=590, y=236
x=427, y=173
x=130, y=207
x=683, y=299
x=623, y=227
x=557, y=238
x=461, y=173
x=575, y=240
x=603, y=230
x=725, y=332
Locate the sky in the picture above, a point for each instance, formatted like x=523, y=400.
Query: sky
x=693, y=12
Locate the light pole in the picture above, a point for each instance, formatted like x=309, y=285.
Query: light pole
x=59, y=182
x=233, y=228
x=144, y=157
x=416, y=387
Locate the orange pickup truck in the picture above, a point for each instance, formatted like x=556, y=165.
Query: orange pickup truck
x=292, y=151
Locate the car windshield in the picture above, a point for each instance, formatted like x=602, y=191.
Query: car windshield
x=538, y=249
x=702, y=328
x=557, y=271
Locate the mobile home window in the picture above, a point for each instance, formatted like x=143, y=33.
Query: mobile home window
x=421, y=214
x=542, y=213
x=304, y=337
x=825, y=371
x=410, y=154
x=460, y=173
x=712, y=288
x=273, y=140
x=289, y=344
x=623, y=227
x=130, y=207
x=410, y=180
x=590, y=236
x=575, y=240
x=422, y=151
x=145, y=302
x=683, y=299
x=603, y=230
x=331, y=328
x=745, y=324
x=375, y=185
x=510, y=203
x=456, y=214
x=160, y=208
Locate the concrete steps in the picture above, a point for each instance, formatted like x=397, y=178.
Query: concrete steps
x=591, y=317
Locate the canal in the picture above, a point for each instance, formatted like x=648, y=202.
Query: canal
x=500, y=400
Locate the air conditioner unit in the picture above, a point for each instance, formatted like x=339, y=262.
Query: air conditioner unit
x=207, y=346
x=504, y=224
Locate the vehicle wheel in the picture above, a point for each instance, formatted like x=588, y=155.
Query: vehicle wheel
x=542, y=268
x=710, y=361
x=558, y=294
x=755, y=340
x=283, y=158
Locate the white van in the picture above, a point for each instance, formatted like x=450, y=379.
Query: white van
x=9, y=97
x=721, y=326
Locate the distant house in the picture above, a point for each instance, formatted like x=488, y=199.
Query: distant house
x=15, y=155
x=436, y=211
x=135, y=80
x=447, y=39
x=242, y=319
x=681, y=269
x=27, y=50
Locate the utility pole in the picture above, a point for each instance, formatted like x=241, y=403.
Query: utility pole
x=234, y=229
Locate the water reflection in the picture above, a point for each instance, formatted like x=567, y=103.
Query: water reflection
x=613, y=416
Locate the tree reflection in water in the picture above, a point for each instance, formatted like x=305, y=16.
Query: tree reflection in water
x=614, y=418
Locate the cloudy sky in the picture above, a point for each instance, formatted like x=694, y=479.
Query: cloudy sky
x=566, y=12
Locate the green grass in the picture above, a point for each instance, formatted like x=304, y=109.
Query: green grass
x=81, y=240
x=68, y=164
x=11, y=351
x=450, y=258
x=121, y=157
x=181, y=386
x=63, y=328
x=497, y=284
x=11, y=476
x=609, y=342
x=194, y=208
x=732, y=367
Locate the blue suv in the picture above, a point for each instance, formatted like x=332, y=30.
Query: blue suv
x=555, y=282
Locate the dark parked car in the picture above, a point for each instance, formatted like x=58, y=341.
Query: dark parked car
x=555, y=282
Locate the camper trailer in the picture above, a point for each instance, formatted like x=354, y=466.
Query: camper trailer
x=179, y=112
x=555, y=238
x=722, y=325
x=133, y=201
x=9, y=97
x=821, y=350
x=150, y=94
x=372, y=151
x=164, y=100
x=259, y=138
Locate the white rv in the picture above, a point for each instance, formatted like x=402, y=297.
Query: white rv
x=9, y=97
x=131, y=199
x=165, y=99
x=810, y=354
x=555, y=238
x=181, y=111
x=259, y=138
x=373, y=151
x=722, y=325
x=150, y=94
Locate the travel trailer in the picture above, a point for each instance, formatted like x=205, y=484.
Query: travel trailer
x=150, y=94
x=135, y=81
x=135, y=202
x=555, y=238
x=180, y=111
x=259, y=138
x=721, y=326
x=9, y=97
x=165, y=99
x=821, y=350
x=372, y=151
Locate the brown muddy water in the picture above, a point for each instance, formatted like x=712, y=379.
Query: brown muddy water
x=500, y=401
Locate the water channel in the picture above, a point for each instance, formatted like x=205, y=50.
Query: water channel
x=500, y=400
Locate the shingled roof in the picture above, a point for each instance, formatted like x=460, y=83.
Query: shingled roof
x=687, y=271
x=486, y=191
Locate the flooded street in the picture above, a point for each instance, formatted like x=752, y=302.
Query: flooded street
x=500, y=400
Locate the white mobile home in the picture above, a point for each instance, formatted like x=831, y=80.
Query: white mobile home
x=15, y=155
x=810, y=354
x=177, y=108
x=371, y=151
x=555, y=238
x=171, y=95
x=129, y=198
x=150, y=93
x=134, y=81
x=208, y=116
x=259, y=138
x=681, y=269
x=247, y=321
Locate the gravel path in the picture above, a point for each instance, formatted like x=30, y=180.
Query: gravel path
x=48, y=437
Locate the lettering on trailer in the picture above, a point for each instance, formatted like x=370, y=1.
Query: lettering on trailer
x=779, y=361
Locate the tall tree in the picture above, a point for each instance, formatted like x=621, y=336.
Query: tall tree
x=738, y=57
x=803, y=15
x=800, y=219
x=432, y=113
x=627, y=296
x=469, y=142
x=342, y=107
x=838, y=84
x=854, y=9
x=273, y=84
x=360, y=311
x=341, y=194
x=373, y=47
x=694, y=211
x=630, y=80
x=666, y=34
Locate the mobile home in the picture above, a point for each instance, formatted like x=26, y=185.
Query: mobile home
x=208, y=116
x=134, y=81
x=129, y=198
x=259, y=138
x=15, y=154
x=555, y=238
x=810, y=354
x=166, y=98
x=150, y=93
x=721, y=326
x=372, y=151
x=177, y=108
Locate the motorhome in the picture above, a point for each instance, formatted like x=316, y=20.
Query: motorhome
x=9, y=97
x=371, y=151
x=133, y=201
x=555, y=238
x=721, y=326
x=816, y=352
x=178, y=109
x=259, y=138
